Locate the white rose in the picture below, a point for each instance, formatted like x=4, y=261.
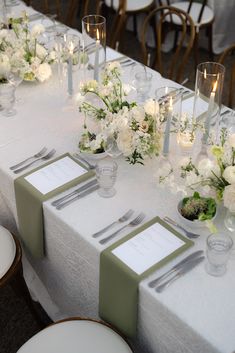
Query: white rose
x=41, y=51
x=231, y=140
x=43, y=72
x=37, y=30
x=151, y=107
x=124, y=141
x=207, y=167
x=229, y=197
x=138, y=114
x=126, y=89
x=229, y=174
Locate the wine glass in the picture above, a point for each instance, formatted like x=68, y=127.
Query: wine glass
x=15, y=78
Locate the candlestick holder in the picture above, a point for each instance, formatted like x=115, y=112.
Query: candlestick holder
x=94, y=42
x=71, y=55
x=207, y=101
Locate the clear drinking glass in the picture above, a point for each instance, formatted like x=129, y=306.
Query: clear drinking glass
x=143, y=83
x=218, y=250
x=106, y=173
x=7, y=99
x=94, y=42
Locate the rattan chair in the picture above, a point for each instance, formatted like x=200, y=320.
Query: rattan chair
x=202, y=16
x=180, y=54
x=76, y=335
x=11, y=271
x=65, y=11
x=228, y=57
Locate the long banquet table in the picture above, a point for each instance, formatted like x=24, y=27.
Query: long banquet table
x=195, y=314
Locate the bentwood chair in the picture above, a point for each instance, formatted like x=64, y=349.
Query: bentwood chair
x=203, y=18
x=123, y=9
x=227, y=58
x=11, y=271
x=76, y=335
x=180, y=54
x=65, y=11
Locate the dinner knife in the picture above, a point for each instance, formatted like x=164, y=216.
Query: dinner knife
x=79, y=196
x=188, y=266
x=190, y=257
x=77, y=191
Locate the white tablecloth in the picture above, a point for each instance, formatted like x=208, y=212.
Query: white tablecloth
x=196, y=314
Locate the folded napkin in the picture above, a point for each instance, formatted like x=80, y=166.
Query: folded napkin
x=118, y=287
x=29, y=208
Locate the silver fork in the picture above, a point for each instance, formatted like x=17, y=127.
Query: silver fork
x=187, y=233
x=37, y=155
x=122, y=219
x=135, y=222
x=44, y=158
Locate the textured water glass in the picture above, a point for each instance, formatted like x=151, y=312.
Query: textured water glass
x=218, y=250
x=106, y=173
x=143, y=84
x=94, y=42
x=7, y=99
x=208, y=95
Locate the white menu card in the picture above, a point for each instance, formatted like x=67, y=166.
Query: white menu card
x=55, y=174
x=148, y=248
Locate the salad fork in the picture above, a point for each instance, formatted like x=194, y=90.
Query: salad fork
x=44, y=158
x=37, y=155
x=135, y=222
x=122, y=219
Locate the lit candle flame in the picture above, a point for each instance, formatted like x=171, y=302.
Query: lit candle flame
x=204, y=73
x=97, y=34
x=215, y=86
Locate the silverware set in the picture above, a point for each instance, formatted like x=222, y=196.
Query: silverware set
x=26, y=163
x=182, y=267
x=133, y=223
x=77, y=194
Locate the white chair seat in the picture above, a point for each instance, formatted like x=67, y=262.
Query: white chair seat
x=207, y=16
x=7, y=250
x=132, y=5
x=76, y=336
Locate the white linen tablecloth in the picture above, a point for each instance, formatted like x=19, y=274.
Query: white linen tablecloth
x=196, y=314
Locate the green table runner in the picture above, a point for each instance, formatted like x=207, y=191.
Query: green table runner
x=118, y=291
x=29, y=208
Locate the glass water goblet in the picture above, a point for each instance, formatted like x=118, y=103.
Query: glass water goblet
x=106, y=173
x=15, y=78
x=7, y=99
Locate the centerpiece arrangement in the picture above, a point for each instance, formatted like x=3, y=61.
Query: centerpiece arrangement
x=21, y=50
x=135, y=128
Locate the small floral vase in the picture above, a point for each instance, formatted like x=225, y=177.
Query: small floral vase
x=229, y=220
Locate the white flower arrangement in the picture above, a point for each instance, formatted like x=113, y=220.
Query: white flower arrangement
x=20, y=49
x=134, y=127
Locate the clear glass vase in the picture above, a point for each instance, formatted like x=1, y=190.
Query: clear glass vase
x=229, y=220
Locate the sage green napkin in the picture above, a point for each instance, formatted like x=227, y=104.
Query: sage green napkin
x=118, y=291
x=29, y=208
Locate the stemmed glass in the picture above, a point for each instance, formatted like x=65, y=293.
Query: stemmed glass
x=15, y=78
x=7, y=99
x=111, y=147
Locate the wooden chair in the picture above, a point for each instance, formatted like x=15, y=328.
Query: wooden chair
x=228, y=57
x=76, y=335
x=65, y=11
x=122, y=10
x=180, y=54
x=11, y=271
x=202, y=16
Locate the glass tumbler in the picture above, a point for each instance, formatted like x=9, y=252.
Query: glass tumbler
x=218, y=250
x=143, y=83
x=106, y=173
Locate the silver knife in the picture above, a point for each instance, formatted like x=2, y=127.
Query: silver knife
x=79, y=196
x=190, y=257
x=77, y=191
x=186, y=268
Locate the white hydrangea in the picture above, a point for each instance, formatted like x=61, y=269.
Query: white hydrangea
x=43, y=72
x=229, y=174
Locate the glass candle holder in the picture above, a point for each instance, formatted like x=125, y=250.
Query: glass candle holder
x=94, y=42
x=208, y=95
x=170, y=104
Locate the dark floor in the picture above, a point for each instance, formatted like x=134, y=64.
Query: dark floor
x=17, y=324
